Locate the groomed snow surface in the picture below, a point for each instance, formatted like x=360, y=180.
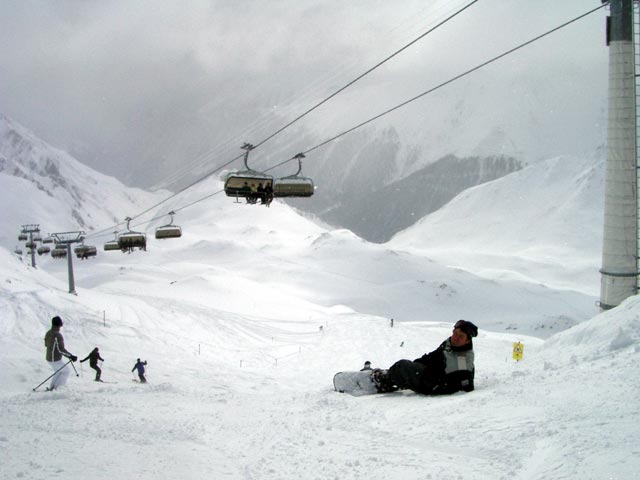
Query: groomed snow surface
x=245, y=319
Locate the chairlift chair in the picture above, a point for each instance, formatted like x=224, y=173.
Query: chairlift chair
x=131, y=240
x=43, y=250
x=294, y=185
x=170, y=230
x=23, y=237
x=60, y=251
x=112, y=244
x=47, y=240
x=17, y=251
x=247, y=183
x=85, y=251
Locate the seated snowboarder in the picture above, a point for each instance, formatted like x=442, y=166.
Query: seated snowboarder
x=448, y=369
x=140, y=367
x=93, y=358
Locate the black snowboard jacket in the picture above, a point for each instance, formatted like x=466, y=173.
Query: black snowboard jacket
x=93, y=358
x=447, y=369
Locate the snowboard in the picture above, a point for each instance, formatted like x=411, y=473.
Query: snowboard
x=354, y=383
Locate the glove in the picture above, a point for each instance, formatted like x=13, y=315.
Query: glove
x=73, y=358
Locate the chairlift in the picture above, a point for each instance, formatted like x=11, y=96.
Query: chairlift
x=112, y=244
x=43, y=250
x=22, y=237
x=170, y=230
x=248, y=183
x=37, y=238
x=131, y=240
x=48, y=239
x=294, y=185
x=85, y=251
x=17, y=251
x=60, y=251
x=30, y=245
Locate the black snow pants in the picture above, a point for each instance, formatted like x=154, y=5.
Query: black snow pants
x=409, y=375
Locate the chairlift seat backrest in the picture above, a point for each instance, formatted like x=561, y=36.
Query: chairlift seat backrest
x=131, y=240
x=246, y=183
x=85, y=251
x=111, y=245
x=293, y=187
x=59, y=252
x=168, y=231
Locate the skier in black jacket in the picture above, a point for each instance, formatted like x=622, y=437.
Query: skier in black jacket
x=93, y=358
x=448, y=369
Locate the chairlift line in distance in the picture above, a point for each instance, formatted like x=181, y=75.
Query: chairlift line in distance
x=170, y=230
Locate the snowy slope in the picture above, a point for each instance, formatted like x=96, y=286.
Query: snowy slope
x=229, y=318
x=249, y=396
x=542, y=224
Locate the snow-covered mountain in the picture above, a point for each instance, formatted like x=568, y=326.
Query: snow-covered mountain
x=169, y=113
x=47, y=186
x=542, y=224
x=245, y=318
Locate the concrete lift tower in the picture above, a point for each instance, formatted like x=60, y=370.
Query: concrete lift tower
x=620, y=240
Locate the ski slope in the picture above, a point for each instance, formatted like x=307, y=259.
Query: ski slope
x=244, y=321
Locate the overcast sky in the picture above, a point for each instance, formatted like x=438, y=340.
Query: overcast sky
x=120, y=82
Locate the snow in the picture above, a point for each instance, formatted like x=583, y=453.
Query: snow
x=229, y=318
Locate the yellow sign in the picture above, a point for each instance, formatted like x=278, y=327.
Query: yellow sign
x=518, y=351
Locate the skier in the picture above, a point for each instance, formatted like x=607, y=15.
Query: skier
x=448, y=369
x=367, y=366
x=54, y=342
x=93, y=358
x=140, y=367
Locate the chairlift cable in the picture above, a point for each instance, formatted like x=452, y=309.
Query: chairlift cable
x=451, y=80
x=257, y=124
x=361, y=76
x=431, y=90
x=366, y=122
x=299, y=117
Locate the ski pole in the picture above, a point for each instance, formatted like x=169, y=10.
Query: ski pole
x=45, y=380
x=74, y=368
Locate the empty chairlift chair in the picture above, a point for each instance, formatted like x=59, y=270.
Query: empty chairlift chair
x=170, y=230
x=294, y=185
x=130, y=240
x=112, y=244
x=248, y=183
